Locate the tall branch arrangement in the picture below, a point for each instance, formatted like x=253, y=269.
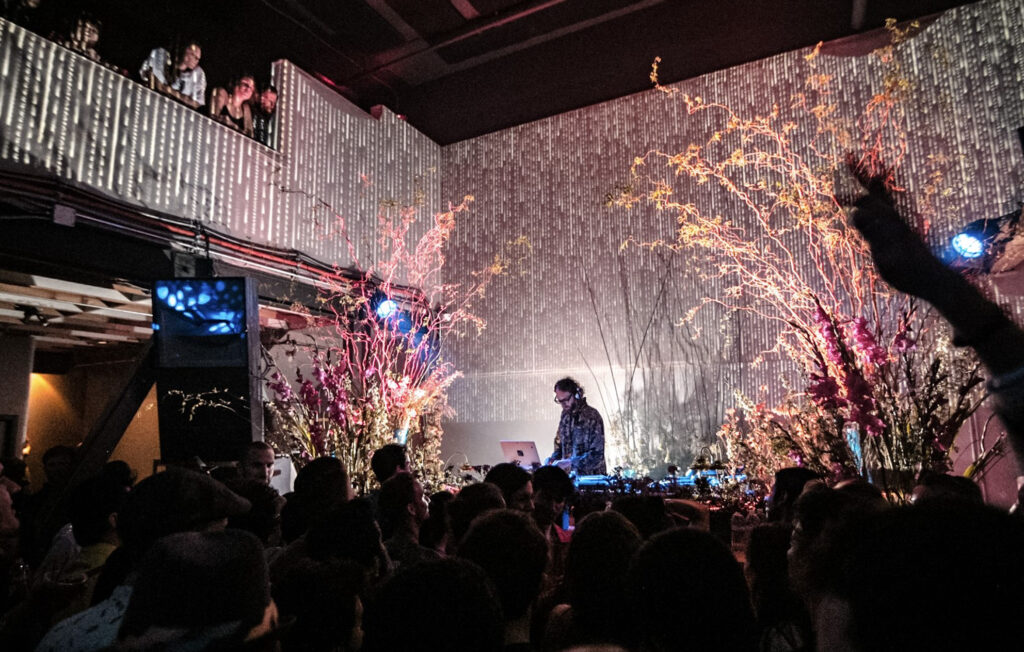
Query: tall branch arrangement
x=666, y=402
x=755, y=210
x=378, y=374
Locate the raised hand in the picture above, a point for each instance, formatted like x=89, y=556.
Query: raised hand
x=902, y=258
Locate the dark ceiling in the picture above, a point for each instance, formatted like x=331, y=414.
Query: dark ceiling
x=461, y=68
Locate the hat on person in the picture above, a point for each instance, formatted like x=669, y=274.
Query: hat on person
x=175, y=500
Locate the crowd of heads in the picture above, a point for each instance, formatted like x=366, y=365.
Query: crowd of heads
x=173, y=69
x=219, y=560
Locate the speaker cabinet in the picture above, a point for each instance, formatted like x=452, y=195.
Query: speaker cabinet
x=209, y=392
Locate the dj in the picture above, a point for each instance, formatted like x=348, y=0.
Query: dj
x=579, y=443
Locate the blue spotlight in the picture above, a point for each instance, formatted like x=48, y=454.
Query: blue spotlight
x=968, y=245
x=982, y=241
x=386, y=309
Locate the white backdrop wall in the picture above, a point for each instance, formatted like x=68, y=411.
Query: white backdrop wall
x=582, y=302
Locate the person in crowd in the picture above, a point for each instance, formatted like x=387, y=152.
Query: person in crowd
x=325, y=599
x=403, y=509
x=14, y=475
x=264, y=518
x=389, y=460
x=263, y=107
x=179, y=71
x=647, y=513
x=935, y=576
x=385, y=462
x=233, y=108
x=516, y=486
x=514, y=554
x=472, y=501
x=42, y=513
x=595, y=581
x=789, y=484
x=782, y=618
x=14, y=573
x=84, y=36
x=448, y=604
x=9, y=523
x=320, y=485
x=93, y=508
x=818, y=513
x=175, y=500
x=119, y=472
x=946, y=487
x=436, y=531
x=552, y=488
x=686, y=589
x=579, y=442
x=201, y=590
x=347, y=531
x=257, y=462
x=685, y=512
x=64, y=548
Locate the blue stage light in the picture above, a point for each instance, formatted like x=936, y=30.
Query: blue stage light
x=980, y=243
x=386, y=308
x=968, y=245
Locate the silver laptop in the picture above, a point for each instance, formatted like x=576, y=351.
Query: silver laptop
x=523, y=453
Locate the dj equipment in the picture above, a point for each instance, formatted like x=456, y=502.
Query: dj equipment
x=594, y=482
x=713, y=478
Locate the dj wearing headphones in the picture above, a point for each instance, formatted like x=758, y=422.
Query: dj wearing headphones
x=579, y=443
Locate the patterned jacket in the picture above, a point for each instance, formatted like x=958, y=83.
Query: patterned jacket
x=581, y=437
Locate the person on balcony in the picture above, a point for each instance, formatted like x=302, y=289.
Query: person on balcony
x=26, y=13
x=233, y=108
x=84, y=36
x=180, y=73
x=263, y=107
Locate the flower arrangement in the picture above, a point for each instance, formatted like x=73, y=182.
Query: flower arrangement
x=378, y=374
x=877, y=372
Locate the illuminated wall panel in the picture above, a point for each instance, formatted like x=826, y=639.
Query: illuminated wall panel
x=583, y=305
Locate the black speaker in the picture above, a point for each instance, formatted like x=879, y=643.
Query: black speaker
x=208, y=386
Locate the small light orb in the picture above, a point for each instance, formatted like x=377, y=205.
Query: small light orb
x=968, y=246
x=386, y=308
